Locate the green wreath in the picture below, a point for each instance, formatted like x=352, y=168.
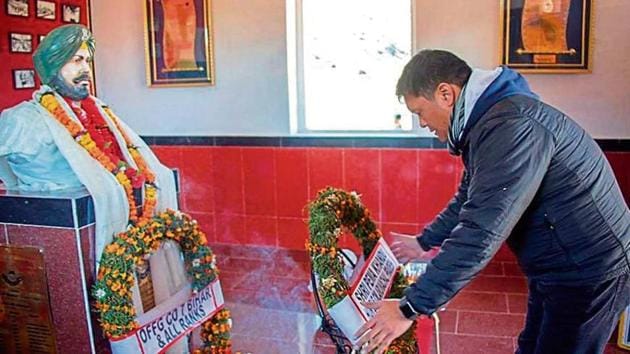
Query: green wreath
x=333, y=210
x=112, y=289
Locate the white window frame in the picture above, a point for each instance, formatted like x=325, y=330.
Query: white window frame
x=295, y=74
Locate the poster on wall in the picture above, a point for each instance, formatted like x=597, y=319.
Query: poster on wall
x=547, y=36
x=178, y=43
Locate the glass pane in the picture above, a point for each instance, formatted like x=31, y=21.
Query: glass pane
x=354, y=52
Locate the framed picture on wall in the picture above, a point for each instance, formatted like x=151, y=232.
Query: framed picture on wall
x=547, y=36
x=23, y=78
x=623, y=336
x=178, y=43
x=20, y=42
x=17, y=8
x=70, y=13
x=46, y=10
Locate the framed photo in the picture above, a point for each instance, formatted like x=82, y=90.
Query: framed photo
x=70, y=13
x=17, y=8
x=20, y=42
x=46, y=10
x=178, y=43
x=623, y=335
x=23, y=78
x=547, y=36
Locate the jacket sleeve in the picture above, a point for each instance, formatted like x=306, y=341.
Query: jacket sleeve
x=509, y=158
x=441, y=227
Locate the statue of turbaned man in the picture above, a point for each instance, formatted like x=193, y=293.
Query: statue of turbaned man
x=65, y=138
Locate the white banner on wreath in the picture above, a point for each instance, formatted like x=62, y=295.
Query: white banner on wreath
x=172, y=319
x=372, y=284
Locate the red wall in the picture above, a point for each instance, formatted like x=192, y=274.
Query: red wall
x=257, y=195
x=28, y=25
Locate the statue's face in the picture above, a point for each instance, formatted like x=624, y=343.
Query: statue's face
x=73, y=80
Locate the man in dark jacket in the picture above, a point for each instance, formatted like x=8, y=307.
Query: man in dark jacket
x=534, y=179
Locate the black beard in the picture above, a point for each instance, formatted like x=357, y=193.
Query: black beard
x=75, y=93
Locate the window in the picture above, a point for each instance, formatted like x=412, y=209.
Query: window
x=345, y=57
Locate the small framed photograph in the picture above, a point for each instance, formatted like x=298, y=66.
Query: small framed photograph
x=17, y=8
x=21, y=42
x=70, y=13
x=23, y=78
x=46, y=10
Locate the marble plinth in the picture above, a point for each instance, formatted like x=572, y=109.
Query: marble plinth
x=62, y=225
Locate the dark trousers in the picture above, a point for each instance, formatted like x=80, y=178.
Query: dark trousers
x=572, y=319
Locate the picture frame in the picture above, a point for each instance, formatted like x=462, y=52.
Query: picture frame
x=547, y=36
x=70, y=13
x=20, y=42
x=17, y=8
x=623, y=334
x=186, y=59
x=23, y=79
x=46, y=10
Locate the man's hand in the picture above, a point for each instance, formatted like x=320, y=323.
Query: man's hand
x=407, y=249
x=387, y=324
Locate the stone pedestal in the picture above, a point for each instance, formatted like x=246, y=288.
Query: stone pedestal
x=62, y=225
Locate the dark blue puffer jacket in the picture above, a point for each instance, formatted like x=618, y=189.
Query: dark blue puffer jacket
x=537, y=180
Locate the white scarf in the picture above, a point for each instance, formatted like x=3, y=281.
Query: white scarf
x=111, y=207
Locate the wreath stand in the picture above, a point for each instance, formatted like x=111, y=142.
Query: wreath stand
x=342, y=344
x=332, y=210
x=328, y=326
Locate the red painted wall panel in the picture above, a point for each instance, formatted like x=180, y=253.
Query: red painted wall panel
x=403, y=188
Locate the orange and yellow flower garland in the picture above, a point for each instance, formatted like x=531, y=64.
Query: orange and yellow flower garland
x=144, y=236
x=84, y=139
x=150, y=190
x=116, y=275
x=332, y=211
x=217, y=331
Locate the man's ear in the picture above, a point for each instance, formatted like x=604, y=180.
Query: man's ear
x=445, y=94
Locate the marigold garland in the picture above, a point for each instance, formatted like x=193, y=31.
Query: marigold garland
x=217, y=332
x=146, y=232
x=80, y=135
x=333, y=210
x=112, y=289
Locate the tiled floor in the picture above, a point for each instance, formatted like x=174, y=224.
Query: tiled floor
x=272, y=309
x=267, y=290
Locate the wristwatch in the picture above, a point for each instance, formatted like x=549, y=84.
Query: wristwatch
x=407, y=309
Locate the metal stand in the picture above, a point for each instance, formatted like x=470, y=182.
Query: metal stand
x=328, y=326
x=436, y=324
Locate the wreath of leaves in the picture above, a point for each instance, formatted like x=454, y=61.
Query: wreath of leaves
x=332, y=211
x=112, y=289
